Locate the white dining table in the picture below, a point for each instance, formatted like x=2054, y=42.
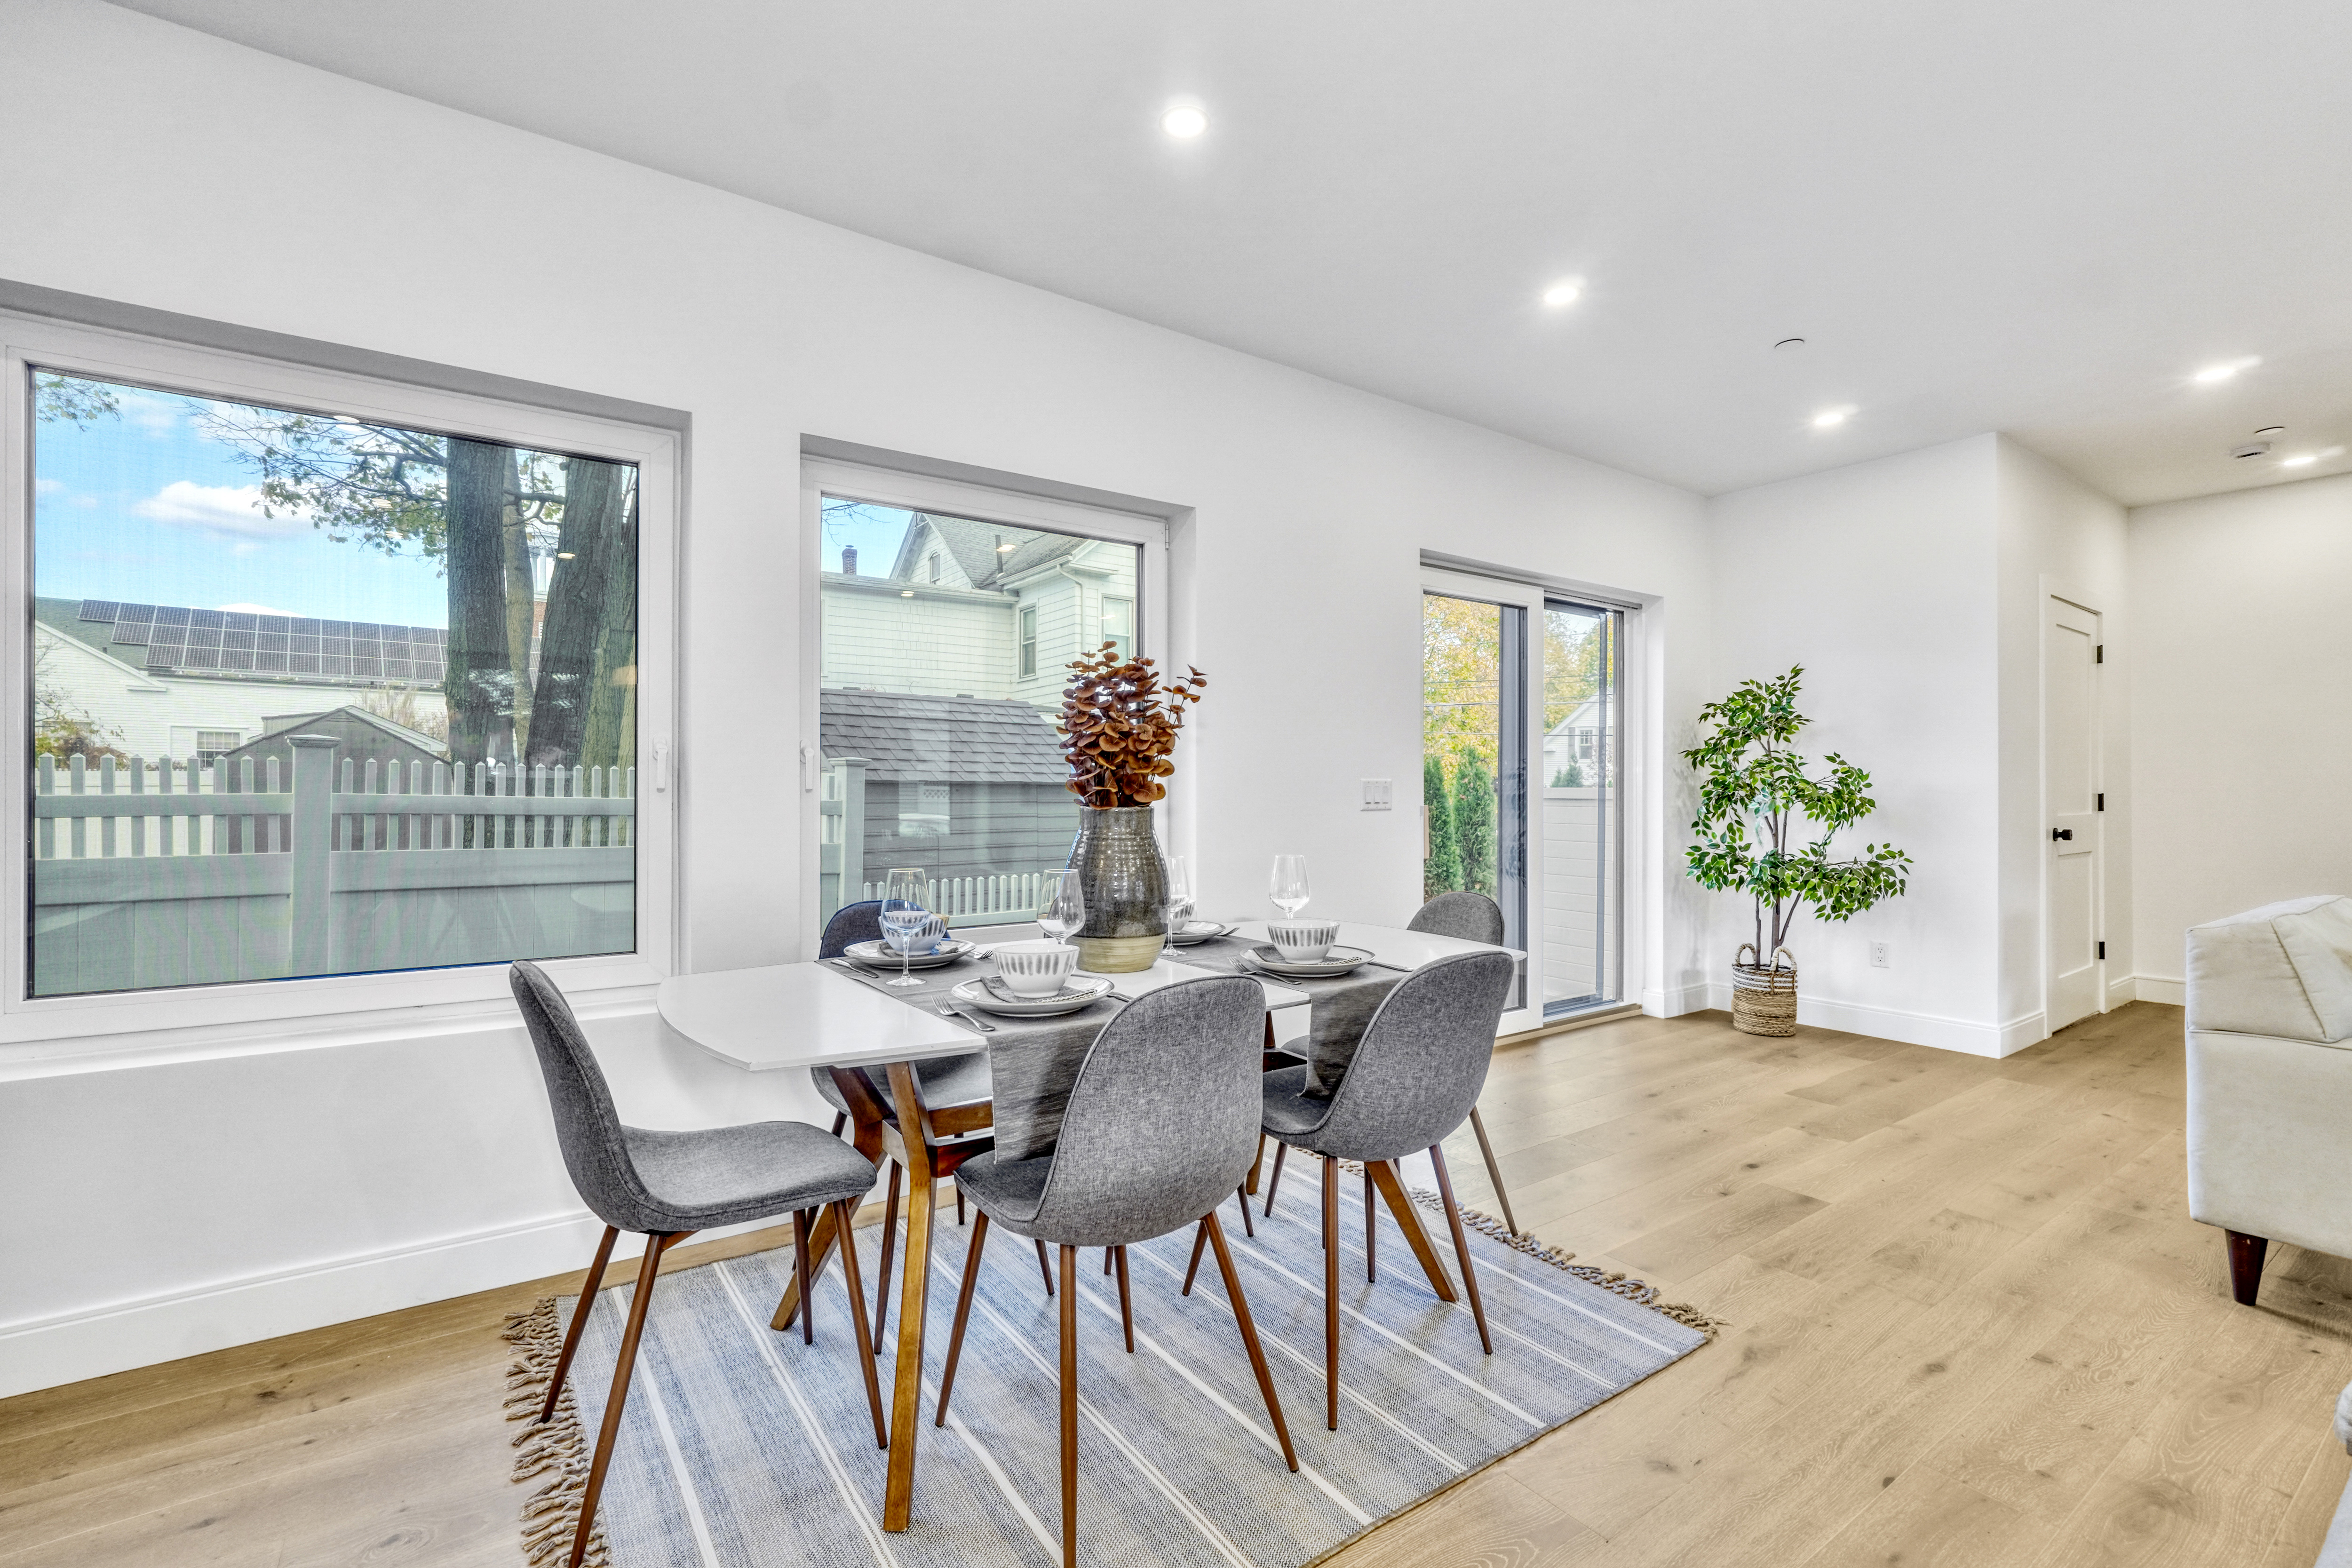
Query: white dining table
x=814, y=1015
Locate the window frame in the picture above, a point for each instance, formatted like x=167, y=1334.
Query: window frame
x=1102, y=620
x=909, y=492
x=236, y=1014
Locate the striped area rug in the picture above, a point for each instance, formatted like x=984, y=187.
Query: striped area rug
x=742, y=1447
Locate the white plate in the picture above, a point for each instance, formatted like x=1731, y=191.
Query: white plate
x=972, y=993
x=882, y=956
x=1198, y=930
x=1338, y=962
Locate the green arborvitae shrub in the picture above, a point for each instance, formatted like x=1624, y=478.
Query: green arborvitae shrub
x=1440, y=871
x=1473, y=823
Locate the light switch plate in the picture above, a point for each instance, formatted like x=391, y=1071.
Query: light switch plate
x=1380, y=794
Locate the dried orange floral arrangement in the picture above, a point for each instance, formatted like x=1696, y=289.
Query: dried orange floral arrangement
x=1119, y=725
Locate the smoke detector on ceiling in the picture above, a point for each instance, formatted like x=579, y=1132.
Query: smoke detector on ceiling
x=2250, y=449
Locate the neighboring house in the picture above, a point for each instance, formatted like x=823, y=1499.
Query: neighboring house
x=962, y=786
x=1578, y=747
x=171, y=680
x=362, y=739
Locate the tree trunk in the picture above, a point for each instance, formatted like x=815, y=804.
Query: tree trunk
x=609, y=736
x=479, y=685
x=514, y=549
x=595, y=498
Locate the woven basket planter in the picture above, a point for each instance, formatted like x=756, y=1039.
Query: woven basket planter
x=1764, y=996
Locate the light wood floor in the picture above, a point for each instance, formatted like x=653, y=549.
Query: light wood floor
x=1970, y=1322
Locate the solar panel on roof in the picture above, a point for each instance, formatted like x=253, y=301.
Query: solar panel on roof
x=269, y=661
x=131, y=632
x=170, y=617
x=162, y=656
x=99, y=609
x=141, y=613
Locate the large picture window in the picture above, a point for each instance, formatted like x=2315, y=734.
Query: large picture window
x=943, y=645
x=316, y=693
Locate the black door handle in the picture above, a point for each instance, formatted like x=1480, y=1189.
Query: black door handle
x=2058, y=833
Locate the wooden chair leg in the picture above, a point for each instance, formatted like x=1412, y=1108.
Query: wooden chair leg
x=1275, y=1180
x=1046, y=1268
x=1372, y=1229
x=579, y=1319
x=963, y=1313
x=1069, y=1407
x=959, y=1204
x=1249, y=1225
x=889, y=1246
x=2246, y=1255
x=625, y=1364
x=840, y=1121
x=1460, y=1247
x=1107, y=1257
x=1216, y=1235
x=1200, y=1240
x=1126, y=1307
x=1494, y=1171
x=1331, y=1292
x=845, y=1218
x=801, y=1274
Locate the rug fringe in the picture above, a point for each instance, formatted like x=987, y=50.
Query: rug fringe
x=1559, y=1257
x=551, y=1513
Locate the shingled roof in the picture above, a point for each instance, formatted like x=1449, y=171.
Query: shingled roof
x=971, y=740
x=973, y=545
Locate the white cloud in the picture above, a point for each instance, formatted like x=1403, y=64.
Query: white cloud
x=253, y=609
x=155, y=415
x=48, y=486
x=222, y=508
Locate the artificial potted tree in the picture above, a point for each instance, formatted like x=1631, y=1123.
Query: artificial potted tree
x=1754, y=793
x=1118, y=727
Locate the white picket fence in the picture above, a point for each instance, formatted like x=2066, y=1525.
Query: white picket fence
x=176, y=873
x=977, y=900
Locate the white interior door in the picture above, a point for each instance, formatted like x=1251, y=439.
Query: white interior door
x=2070, y=758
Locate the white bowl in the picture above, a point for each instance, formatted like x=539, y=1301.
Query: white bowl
x=1303, y=942
x=1035, y=968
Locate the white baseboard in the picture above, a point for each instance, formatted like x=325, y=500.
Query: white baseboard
x=2155, y=988
x=44, y=1352
x=1964, y=1034
x=1673, y=1001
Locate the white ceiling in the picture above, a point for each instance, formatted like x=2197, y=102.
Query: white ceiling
x=2031, y=215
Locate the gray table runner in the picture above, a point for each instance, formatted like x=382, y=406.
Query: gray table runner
x=1033, y=1062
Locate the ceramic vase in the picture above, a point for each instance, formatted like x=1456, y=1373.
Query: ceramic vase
x=1125, y=879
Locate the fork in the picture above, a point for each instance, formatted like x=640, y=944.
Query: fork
x=949, y=1010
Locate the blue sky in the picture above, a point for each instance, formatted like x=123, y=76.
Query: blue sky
x=877, y=531
x=146, y=509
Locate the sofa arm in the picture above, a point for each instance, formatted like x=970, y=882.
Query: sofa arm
x=2270, y=1137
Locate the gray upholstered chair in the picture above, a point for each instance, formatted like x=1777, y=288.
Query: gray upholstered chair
x=1161, y=1124
x=946, y=1080
x=667, y=1185
x=1414, y=1075
x=1471, y=916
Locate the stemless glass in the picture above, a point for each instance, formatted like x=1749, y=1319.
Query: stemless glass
x=904, y=918
x=1061, y=904
x=1288, y=886
x=1180, y=894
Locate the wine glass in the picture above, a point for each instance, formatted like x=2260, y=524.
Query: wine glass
x=1288, y=886
x=1180, y=894
x=1061, y=904
x=904, y=918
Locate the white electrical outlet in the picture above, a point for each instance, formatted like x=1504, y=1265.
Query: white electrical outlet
x=1380, y=794
x=1882, y=956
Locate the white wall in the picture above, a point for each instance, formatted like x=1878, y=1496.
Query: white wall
x=179, y=1203
x=2058, y=536
x=1879, y=579
x=2244, y=609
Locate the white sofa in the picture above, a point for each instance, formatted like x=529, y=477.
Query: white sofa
x=2270, y=1080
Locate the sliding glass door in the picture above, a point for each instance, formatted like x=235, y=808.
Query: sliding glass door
x=1522, y=728
x=1583, y=826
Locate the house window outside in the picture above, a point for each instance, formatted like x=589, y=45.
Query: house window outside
x=1118, y=625
x=937, y=715
x=387, y=627
x=935, y=565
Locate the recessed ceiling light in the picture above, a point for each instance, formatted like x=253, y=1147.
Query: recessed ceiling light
x=1564, y=292
x=2213, y=374
x=906, y=593
x=1830, y=419
x=2301, y=460
x=1185, y=121
x=563, y=555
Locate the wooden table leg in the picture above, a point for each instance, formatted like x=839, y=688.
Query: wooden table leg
x=867, y=1140
x=1250, y=1185
x=899, y=1494
x=1408, y=1218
